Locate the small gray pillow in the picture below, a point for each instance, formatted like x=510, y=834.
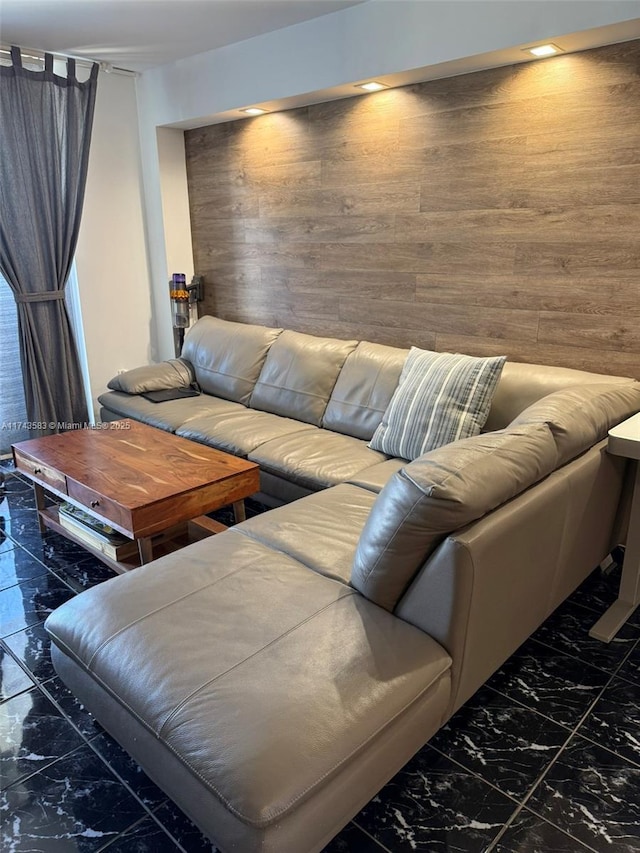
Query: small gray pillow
x=174, y=373
x=441, y=397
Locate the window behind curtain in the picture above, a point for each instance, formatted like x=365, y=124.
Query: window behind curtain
x=12, y=408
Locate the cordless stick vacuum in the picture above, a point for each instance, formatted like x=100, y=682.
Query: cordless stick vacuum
x=184, y=305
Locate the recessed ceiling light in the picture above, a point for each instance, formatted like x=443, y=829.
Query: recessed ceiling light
x=373, y=86
x=544, y=50
x=254, y=111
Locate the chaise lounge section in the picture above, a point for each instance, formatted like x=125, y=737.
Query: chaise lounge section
x=273, y=678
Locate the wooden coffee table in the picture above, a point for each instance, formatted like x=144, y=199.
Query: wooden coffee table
x=144, y=482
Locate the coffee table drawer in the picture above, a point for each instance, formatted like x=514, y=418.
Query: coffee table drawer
x=43, y=474
x=98, y=504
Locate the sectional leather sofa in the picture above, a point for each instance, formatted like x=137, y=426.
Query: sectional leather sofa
x=271, y=679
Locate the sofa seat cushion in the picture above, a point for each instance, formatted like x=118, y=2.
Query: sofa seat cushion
x=266, y=680
x=227, y=357
x=439, y=493
x=240, y=430
x=321, y=530
x=376, y=478
x=169, y=415
x=298, y=376
x=316, y=459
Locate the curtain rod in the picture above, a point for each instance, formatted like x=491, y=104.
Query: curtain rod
x=38, y=55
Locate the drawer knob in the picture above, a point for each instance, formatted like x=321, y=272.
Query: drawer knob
x=95, y=503
x=37, y=470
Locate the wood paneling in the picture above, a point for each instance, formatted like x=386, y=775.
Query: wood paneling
x=495, y=212
x=326, y=229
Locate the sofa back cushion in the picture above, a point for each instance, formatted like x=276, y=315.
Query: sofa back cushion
x=227, y=357
x=581, y=416
x=298, y=376
x=364, y=388
x=522, y=384
x=439, y=493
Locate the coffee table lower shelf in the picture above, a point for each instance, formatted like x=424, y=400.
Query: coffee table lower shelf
x=161, y=543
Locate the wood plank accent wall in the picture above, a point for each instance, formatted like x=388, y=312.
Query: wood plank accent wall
x=494, y=212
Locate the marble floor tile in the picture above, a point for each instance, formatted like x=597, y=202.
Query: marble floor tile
x=353, y=840
x=30, y=602
x=146, y=836
x=32, y=647
x=599, y=591
x=567, y=630
x=183, y=830
x=81, y=572
x=593, y=795
x=49, y=547
x=530, y=834
x=500, y=740
x=34, y=734
x=630, y=669
x=13, y=678
x=17, y=496
x=128, y=770
x=17, y=565
x=434, y=806
x=6, y=544
x=72, y=708
x=550, y=682
x=75, y=804
x=63, y=560
x=15, y=504
x=21, y=523
x=614, y=721
x=32, y=541
x=225, y=514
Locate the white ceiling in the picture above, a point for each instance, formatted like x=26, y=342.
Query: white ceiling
x=140, y=34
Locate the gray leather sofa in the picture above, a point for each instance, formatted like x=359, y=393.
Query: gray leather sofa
x=271, y=679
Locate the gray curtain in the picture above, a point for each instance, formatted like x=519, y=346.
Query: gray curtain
x=45, y=130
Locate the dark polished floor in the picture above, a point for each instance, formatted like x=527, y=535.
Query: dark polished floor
x=544, y=759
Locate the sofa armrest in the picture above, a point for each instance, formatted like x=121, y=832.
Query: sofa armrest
x=489, y=586
x=442, y=491
x=174, y=373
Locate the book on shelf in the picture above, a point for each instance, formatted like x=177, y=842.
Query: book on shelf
x=96, y=533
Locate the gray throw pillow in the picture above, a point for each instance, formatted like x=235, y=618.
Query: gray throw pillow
x=441, y=397
x=173, y=373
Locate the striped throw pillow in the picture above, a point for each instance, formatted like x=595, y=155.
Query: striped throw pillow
x=441, y=397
